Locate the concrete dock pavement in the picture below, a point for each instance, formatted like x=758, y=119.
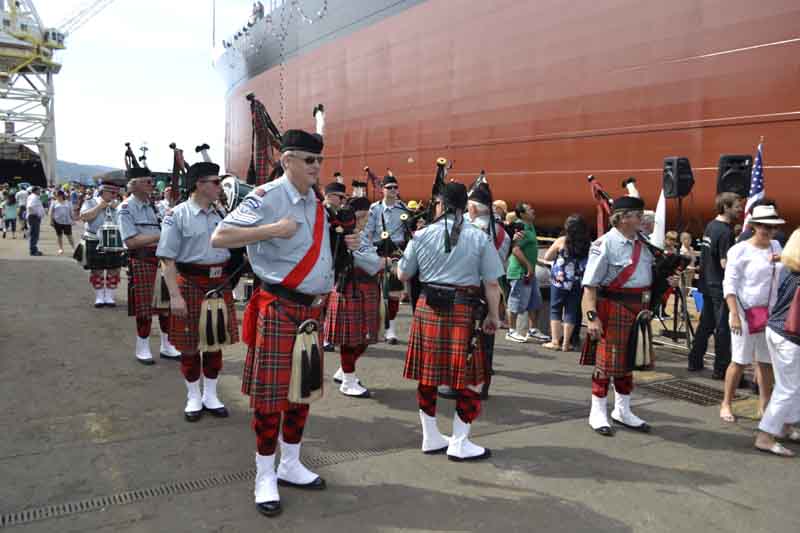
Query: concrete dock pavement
x=93, y=441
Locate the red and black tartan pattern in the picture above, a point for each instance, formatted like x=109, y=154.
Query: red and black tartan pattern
x=96, y=279
x=393, y=307
x=143, y=278
x=438, y=347
x=468, y=405
x=191, y=363
x=353, y=315
x=426, y=399
x=349, y=356
x=183, y=331
x=266, y=425
x=112, y=278
x=268, y=365
x=609, y=354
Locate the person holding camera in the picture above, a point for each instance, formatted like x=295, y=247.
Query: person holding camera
x=524, y=294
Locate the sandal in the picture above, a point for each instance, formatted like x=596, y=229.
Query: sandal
x=568, y=348
x=727, y=417
x=793, y=435
x=551, y=345
x=776, y=449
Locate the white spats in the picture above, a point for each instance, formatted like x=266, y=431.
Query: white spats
x=622, y=412
x=210, y=399
x=143, y=349
x=432, y=440
x=338, y=376
x=99, y=297
x=390, y=334
x=194, y=400
x=461, y=448
x=108, y=296
x=266, y=489
x=290, y=469
x=167, y=349
x=598, y=416
x=351, y=387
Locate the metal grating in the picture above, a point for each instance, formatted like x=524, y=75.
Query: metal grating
x=47, y=512
x=681, y=389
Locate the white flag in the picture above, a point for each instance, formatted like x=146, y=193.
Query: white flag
x=660, y=228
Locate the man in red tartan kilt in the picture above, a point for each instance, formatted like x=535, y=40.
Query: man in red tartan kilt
x=453, y=259
x=140, y=229
x=616, y=284
x=192, y=268
x=352, y=321
x=286, y=231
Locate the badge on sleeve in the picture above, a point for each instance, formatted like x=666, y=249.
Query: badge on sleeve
x=245, y=212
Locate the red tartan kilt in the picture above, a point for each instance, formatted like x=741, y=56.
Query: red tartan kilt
x=183, y=331
x=609, y=354
x=353, y=316
x=142, y=279
x=437, y=347
x=268, y=365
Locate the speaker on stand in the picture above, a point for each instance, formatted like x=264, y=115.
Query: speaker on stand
x=733, y=174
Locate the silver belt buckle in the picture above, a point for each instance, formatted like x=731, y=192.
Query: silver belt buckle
x=318, y=300
x=645, y=297
x=215, y=272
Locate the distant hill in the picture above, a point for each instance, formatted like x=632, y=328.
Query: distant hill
x=67, y=171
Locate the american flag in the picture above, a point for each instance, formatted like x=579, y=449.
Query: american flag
x=756, y=181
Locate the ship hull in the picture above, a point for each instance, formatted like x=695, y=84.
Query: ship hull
x=541, y=98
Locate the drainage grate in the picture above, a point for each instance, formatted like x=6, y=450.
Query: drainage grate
x=47, y=512
x=681, y=389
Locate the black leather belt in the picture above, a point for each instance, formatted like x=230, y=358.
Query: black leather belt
x=191, y=269
x=308, y=300
x=143, y=253
x=626, y=297
x=461, y=295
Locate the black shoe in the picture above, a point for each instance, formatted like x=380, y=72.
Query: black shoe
x=328, y=347
x=109, y=305
x=485, y=455
x=317, y=484
x=644, y=428
x=391, y=341
x=605, y=431
x=269, y=508
x=192, y=416
x=146, y=362
x=162, y=355
x=98, y=305
x=37, y=253
x=219, y=412
x=719, y=375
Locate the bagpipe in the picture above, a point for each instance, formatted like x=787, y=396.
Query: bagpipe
x=179, y=187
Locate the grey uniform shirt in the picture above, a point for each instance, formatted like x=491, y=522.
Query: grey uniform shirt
x=374, y=228
x=162, y=207
x=609, y=255
x=93, y=226
x=273, y=259
x=186, y=235
x=472, y=259
x=137, y=218
x=366, y=258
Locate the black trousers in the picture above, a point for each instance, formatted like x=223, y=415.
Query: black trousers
x=713, y=321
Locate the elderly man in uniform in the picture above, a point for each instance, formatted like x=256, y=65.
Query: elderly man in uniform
x=353, y=318
x=384, y=218
x=140, y=231
x=103, y=268
x=192, y=267
x=335, y=195
x=453, y=258
x=285, y=229
x=616, y=284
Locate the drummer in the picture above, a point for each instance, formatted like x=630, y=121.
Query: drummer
x=103, y=267
x=141, y=230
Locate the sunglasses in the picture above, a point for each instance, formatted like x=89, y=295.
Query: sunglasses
x=391, y=187
x=215, y=181
x=311, y=159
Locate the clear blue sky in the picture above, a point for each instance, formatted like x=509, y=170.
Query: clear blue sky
x=141, y=71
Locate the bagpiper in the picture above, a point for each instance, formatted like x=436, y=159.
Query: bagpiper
x=140, y=230
x=453, y=260
x=616, y=297
x=285, y=228
x=352, y=321
x=385, y=230
x=202, y=315
x=104, y=268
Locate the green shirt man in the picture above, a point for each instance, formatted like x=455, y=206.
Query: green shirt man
x=530, y=249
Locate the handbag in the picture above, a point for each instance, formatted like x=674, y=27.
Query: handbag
x=758, y=315
x=792, y=323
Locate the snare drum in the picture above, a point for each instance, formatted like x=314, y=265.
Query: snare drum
x=234, y=191
x=95, y=259
x=110, y=238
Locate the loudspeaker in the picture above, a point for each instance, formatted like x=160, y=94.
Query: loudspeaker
x=734, y=174
x=678, y=177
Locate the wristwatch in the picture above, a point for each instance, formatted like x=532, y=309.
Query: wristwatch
x=591, y=315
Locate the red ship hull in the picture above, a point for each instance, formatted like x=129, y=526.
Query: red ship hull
x=540, y=96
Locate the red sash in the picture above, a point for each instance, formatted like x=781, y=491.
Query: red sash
x=627, y=272
x=260, y=300
x=499, y=236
